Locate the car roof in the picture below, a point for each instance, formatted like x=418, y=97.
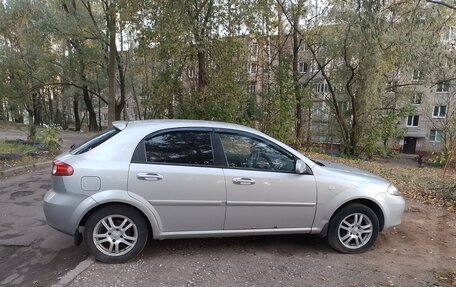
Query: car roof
x=162, y=124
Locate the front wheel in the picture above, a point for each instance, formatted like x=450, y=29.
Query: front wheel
x=353, y=229
x=115, y=233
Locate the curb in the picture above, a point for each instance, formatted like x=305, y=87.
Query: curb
x=72, y=274
x=18, y=170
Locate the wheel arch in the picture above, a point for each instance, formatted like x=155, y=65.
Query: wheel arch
x=86, y=216
x=375, y=207
x=118, y=197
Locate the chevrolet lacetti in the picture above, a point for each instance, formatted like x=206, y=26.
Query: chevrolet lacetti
x=177, y=179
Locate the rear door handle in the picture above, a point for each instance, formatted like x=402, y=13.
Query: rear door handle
x=243, y=181
x=149, y=176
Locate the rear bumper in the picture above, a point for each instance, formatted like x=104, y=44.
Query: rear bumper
x=64, y=210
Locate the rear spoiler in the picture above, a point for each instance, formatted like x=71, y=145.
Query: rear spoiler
x=120, y=125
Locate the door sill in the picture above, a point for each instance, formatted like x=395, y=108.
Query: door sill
x=234, y=233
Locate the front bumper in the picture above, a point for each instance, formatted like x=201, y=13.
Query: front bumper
x=64, y=210
x=393, y=208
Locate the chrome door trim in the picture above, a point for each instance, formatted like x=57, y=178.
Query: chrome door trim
x=187, y=202
x=266, y=203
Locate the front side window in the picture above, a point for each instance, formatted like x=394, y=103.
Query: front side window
x=180, y=147
x=247, y=152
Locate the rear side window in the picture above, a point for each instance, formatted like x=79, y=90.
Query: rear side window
x=95, y=141
x=180, y=147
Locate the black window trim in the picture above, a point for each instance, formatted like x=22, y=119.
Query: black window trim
x=220, y=161
x=218, y=131
x=90, y=144
x=139, y=155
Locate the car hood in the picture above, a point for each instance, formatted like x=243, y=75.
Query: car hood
x=350, y=170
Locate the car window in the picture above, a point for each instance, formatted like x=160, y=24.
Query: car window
x=95, y=141
x=243, y=151
x=180, y=147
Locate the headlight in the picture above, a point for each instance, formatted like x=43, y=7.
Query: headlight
x=393, y=190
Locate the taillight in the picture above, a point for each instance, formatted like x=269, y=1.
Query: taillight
x=61, y=169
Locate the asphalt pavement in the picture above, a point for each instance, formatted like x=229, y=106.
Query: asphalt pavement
x=31, y=252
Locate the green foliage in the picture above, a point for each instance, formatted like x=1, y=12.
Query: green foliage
x=438, y=159
x=50, y=137
x=51, y=51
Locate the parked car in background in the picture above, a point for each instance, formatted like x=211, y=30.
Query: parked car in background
x=178, y=179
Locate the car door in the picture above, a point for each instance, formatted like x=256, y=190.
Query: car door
x=175, y=171
x=263, y=189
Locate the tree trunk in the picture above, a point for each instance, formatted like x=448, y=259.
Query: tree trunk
x=135, y=98
x=77, y=120
x=121, y=104
x=297, y=90
x=111, y=25
x=202, y=73
x=90, y=109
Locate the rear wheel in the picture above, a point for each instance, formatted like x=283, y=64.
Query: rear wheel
x=115, y=233
x=353, y=229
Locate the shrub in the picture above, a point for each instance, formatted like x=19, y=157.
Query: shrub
x=51, y=138
x=438, y=159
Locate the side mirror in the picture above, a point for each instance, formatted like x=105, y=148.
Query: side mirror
x=300, y=167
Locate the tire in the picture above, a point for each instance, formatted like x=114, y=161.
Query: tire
x=353, y=229
x=115, y=233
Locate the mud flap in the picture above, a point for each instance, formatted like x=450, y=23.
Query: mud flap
x=77, y=238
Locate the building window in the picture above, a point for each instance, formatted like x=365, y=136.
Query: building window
x=439, y=112
x=253, y=49
x=412, y=121
x=302, y=68
x=315, y=67
x=451, y=34
x=252, y=68
x=417, y=75
x=322, y=87
x=191, y=73
x=443, y=87
x=252, y=88
x=416, y=99
x=344, y=106
x=435, y=136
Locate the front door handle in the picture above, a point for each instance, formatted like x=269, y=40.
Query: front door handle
x=149, y=176
x=243, y=181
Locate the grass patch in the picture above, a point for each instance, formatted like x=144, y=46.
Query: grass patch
x=14, y=148
x=428, y=184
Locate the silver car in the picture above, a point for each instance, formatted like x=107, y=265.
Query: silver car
x=179, y=179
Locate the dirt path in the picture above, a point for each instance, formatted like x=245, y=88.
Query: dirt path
x=420, y=252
